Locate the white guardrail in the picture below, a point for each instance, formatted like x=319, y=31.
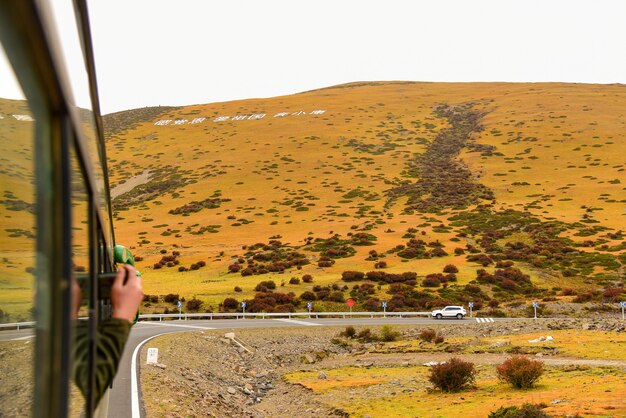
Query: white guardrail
x=251, y=315
x=18, y=325
x=289, y=315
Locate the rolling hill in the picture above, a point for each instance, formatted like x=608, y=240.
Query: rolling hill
x=372, y=190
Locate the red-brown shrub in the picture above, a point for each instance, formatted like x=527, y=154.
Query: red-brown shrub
x=453, y=375
x=520, y=371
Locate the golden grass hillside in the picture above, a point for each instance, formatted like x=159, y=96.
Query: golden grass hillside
x=209, y=181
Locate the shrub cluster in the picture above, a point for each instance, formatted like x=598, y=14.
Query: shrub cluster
x=431, y=336
x=192, y=207
x=387, y=334
x=509, y=279
x=265, y=258
x=525, y=411
x=193, y=305
x=520, y=371
x=167, y=260
x=333, y=247
x=453, y=375
x=409, y=277
x=417, y=248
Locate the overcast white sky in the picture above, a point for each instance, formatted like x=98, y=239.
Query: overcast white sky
x=157, y=52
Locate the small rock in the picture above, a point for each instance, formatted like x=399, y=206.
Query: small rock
x=160, y=365
x=539, y=355
x=557, y=401
x=322, y=376
x=549, y=338
x=309, y=359
x=431, y=363
x=231, y=390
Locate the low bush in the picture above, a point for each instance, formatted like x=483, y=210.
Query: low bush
x=453, y=375
x=388, y=333
x=194, y=304
x=307, y=278
x=520, y=371
x=230, y=303
x=525, y=411
x=427, y=335
x=366, y=335
x=349, y=332
x=265, y=285
x=171, y=298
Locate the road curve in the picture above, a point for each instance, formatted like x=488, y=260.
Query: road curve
x=121, y=398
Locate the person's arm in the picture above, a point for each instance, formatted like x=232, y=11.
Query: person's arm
x=126, y=295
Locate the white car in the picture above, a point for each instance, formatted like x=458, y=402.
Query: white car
x=449, y=312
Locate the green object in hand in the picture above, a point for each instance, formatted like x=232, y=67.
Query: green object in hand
x=123, y=255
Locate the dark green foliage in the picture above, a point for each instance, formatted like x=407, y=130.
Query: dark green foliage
x=545, y=249
x=453, y=375
x=195, y=206
x=333, y=247
x=388, y=333
x=166, y=179
x=443, y=181
x=525, y=411
x=265, y=258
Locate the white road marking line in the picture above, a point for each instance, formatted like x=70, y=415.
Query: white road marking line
x=134, y=385
x=134, y=391
x=23, y=338
x=184, y=326
x=293, y=321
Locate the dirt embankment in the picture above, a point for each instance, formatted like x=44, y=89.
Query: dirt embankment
x=205, y=374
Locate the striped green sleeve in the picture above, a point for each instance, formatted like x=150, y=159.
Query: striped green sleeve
x=111, y=338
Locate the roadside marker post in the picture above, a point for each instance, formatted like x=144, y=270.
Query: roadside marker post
x=309, y=306
x=350, y=303
x=471, y=305
x=180, y=309
x=623, y=305
x=243, y=307
x=153, y=356
x=535, y=306
x=384, y=303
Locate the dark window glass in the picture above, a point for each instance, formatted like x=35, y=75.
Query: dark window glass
x=17, y=244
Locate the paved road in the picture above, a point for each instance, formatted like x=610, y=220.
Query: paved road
x=121, y=399
x=121, y=402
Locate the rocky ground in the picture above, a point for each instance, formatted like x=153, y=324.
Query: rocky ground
x=206, y=374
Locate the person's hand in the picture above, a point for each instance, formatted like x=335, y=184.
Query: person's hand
x=126, y=293
x=76, y=298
